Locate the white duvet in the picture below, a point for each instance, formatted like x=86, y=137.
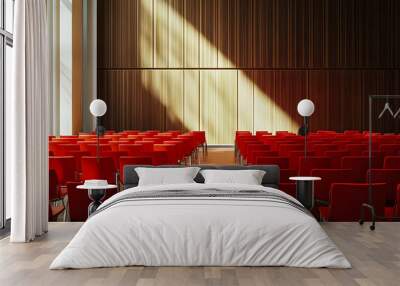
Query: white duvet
x=193, y=231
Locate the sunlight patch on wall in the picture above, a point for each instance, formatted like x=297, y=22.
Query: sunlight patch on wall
x=217, y=101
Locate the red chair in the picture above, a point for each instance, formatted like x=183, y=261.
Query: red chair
x=64, y=149
x=83, y=145
x=310, y=163
x=147, y=146
x=320, y=149
x=78, y=156
x=171, y=150
x=346, y=199
x=78, y=202
x=179, y=149
x=65, y=169
x=254, y=148
x=132, y=149
x=56, y=203
x=358, y=164
x=391, y=162
x=294, y=158
x=159, y=158
x=390, y=149
x=284, y=149
x=200, y=137
x=115, y=155
x=285, y=174
x=336, y=157
x=282, y=162
x=128, y=160
x=101, y=168
x=356, y=149
x=377, y=157
x=389, y=176
x=252, y=157
x=92, y=148
x=329, y=176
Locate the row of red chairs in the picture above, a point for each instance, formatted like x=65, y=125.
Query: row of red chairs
x=75, y=161
x=341, y=159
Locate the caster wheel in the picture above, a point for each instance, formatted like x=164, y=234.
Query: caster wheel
x=361, y=222
x=372, y=227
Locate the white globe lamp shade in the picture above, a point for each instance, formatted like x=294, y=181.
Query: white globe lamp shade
x=305, y=108
x=98, y=107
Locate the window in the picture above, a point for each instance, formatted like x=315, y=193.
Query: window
x=6, y=63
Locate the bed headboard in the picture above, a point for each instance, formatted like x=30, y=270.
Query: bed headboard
x=270, y=179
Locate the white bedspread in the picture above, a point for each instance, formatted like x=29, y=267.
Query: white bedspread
x=200, y=231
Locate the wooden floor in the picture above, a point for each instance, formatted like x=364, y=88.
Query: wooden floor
x=375, y=257
x=217, y=156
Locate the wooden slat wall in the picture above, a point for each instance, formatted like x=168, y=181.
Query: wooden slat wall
x=224, y=65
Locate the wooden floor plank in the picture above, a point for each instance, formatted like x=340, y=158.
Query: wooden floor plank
x=375, y=257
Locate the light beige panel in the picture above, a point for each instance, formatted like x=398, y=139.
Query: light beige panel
x=208, y=109
x=264, y=101
x=161, y=33
x=226, y=106
x=173, y=99
x=176, y=24
x=145, y=33
x=208, y=34
x=192, y=99
x=153, y=91
x=192, y=33
x=245, y=100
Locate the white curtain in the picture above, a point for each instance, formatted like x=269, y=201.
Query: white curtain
x=27, y=122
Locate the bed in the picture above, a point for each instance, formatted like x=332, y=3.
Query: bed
x=199, y=224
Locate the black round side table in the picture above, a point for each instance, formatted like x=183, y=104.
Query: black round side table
x=96, y=194
x=305, y=190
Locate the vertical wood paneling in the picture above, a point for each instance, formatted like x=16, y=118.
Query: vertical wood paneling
x=145, y=38
x=208, y=106
x=161, y=33
x=218, y=100
x=191, y=33
x=319, y=94
x=345, y=99
x=219, y=65
x=227, y=39
x=226, y=106
x=263, y=27
x=173, y=99
x=176, y=34
x=245, y=100
x=208, y=34
x=191, y=99
x=290, y=88
x=244, y=30
x=281, y=35
x=317, y=33
x=264, y=97
x=155, y=87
